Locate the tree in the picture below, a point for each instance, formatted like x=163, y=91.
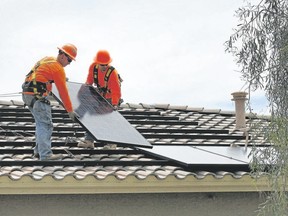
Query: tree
x=260, y=46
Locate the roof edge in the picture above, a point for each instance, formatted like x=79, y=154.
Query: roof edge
x=112, y=185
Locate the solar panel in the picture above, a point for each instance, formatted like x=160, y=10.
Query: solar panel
x=204, y=155
x=97, y=116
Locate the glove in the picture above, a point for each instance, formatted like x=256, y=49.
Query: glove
x=115, y=107
x=91, y=88
x=72, y=115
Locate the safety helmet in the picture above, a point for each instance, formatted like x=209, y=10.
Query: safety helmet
x=102, y=57
x=70, y=50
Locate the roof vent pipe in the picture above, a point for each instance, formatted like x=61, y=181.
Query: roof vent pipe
x=240, y=98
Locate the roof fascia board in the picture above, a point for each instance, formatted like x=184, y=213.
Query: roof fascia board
x=131, y=184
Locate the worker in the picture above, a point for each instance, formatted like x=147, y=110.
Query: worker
x=106, y=80
x=36, y=89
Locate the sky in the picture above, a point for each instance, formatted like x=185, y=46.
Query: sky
x=167, y=51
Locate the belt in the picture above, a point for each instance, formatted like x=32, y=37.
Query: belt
x=42, y=100
x=29, y=87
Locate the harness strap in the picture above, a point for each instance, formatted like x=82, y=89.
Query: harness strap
x=103, y=89
x=29, y=87
x=39, y=88
x=35, y=90
x=42, y=100
x=33, y=102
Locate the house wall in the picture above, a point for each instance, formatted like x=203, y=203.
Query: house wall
x=204, y=204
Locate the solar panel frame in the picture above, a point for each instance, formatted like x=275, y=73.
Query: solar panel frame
x=204, y=155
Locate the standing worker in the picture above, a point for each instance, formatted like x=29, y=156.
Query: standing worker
x=107, y=82
x=36, y=88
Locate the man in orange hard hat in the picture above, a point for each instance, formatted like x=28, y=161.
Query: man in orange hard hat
x=36, y=88
x=107, y=82
x=105, y=77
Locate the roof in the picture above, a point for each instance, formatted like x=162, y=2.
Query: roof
x=126, y=169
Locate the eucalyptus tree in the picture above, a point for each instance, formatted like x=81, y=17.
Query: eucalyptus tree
x=259, y=44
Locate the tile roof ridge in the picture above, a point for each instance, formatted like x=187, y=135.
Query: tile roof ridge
x=155, y=106
x=2, y=102
x=11, y=103
x=17, y=103
x=177, y=107
x=132, y=105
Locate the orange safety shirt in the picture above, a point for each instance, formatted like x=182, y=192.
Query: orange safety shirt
x=113, y=83
x=52, y=71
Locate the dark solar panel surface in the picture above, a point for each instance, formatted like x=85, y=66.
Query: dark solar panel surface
x=97, y=116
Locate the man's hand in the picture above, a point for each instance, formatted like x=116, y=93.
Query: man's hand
x=73, y=115
x=115, y=107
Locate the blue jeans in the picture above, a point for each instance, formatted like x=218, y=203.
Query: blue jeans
x=44, y=126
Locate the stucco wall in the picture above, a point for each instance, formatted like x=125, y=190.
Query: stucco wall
x=204, y=204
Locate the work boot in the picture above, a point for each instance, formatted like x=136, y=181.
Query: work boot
x=110, y=147
x=54, y=157
x=86, y=144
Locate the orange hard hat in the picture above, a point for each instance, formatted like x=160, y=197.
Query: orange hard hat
x=102, y=57
x=70, y=50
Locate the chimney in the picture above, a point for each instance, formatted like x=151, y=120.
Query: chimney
x=240, y=98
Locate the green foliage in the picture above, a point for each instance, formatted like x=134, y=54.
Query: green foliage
x=260, y=47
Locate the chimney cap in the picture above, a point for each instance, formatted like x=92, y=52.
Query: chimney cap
x=239, y=95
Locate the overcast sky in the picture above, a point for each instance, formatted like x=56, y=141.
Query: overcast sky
x=167, y=51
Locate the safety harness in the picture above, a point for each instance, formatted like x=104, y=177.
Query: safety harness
x=38, y=88
x=104, y=90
